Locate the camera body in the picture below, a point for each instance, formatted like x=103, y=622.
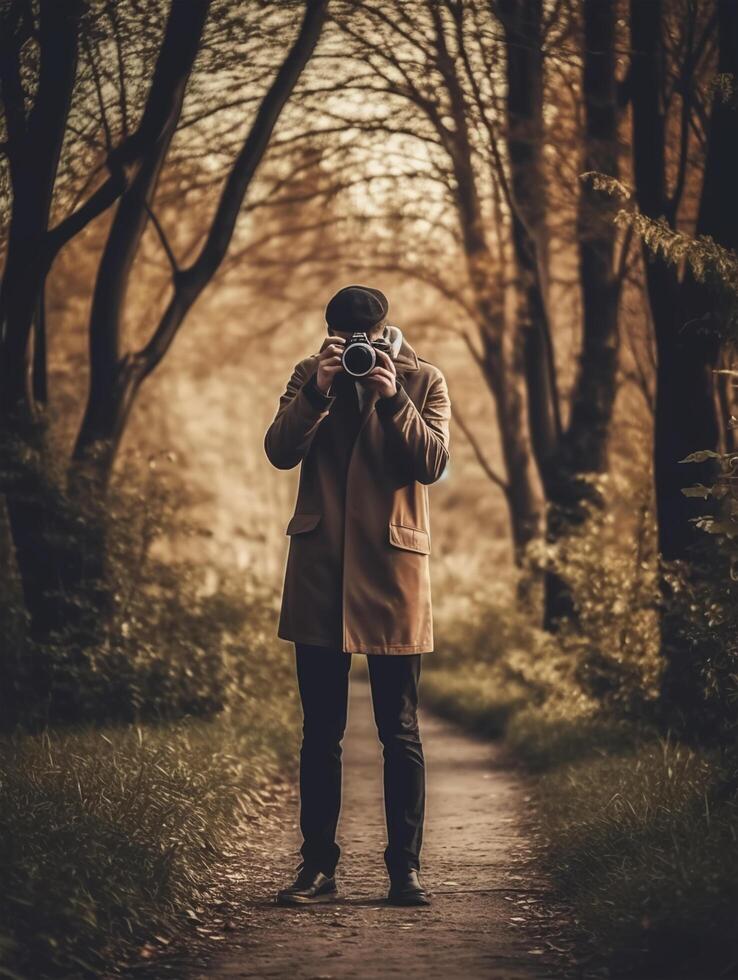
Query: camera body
x=359, y=354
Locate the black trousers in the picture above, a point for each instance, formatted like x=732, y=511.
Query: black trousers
x=323, y=679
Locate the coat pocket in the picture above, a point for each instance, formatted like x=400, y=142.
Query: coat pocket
x=409, y=538
x=299, y=523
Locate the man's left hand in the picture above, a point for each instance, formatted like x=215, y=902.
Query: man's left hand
x=383, y=375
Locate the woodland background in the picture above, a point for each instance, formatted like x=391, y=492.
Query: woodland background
x=546, y=191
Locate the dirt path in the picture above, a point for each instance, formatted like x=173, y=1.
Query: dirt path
x=491, y=916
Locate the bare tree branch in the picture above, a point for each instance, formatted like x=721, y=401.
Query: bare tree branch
x=477, y=449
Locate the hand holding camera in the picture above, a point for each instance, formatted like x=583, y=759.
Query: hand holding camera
x=329, y=362
x=359, y=357
x=383, y=375
x=370, y=361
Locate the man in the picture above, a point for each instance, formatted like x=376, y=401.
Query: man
x=357, y=575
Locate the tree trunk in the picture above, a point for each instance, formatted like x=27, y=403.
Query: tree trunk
x=582, y=448
x=685, y=405
x=488, y=302
x=522, y=21
x=564, y=456
x=686, y=402
x=34, y=141
x=689, y=350
x=111, y=389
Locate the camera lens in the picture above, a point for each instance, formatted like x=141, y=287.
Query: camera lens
x=359, y=359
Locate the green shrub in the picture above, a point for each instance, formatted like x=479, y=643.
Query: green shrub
x=112, y=835
x=701, y=647
x=151, y=638
x=612, y=570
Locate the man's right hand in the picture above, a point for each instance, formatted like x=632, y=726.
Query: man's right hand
x=329, y=362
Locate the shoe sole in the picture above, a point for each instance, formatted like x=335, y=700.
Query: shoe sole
x=305, y=900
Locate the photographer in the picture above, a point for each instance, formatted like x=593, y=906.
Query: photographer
x=368, y=420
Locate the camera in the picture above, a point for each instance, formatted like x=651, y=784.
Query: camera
x=359, y=354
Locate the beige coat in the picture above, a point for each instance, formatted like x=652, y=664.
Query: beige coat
x=357, y=575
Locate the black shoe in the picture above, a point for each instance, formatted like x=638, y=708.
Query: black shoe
x=309, y=887
x=407, y=890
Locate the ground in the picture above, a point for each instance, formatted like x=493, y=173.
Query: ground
x=492, y=916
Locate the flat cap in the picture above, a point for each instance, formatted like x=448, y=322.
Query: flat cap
x=356, y=308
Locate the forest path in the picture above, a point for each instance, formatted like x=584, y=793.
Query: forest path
x=492, y=915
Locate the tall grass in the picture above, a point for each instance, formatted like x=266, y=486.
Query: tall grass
x=644, y=844
x=109, y=835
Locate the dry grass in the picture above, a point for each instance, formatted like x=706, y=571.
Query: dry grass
x=111, y=835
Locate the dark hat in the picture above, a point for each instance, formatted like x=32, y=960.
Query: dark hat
x=356, y=308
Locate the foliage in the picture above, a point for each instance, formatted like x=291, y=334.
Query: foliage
x=612, y=642
x=642, y=843
x=640, y=829
x=701, y=614
x=702, y=605
x=709, y=262
x=505, y=658
x=606, y=663
x=165, y=645
x=111, y=836
x=700, y=689
x=724, y=523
